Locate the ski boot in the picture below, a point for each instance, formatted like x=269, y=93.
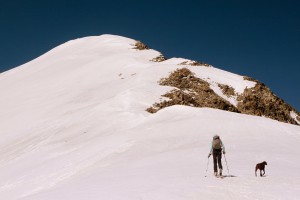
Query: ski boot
x=220, y=172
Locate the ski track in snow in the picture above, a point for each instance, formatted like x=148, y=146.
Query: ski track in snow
x=74, y=126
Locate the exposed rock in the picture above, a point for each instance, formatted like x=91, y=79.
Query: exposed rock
x=227, y=90
x=261, y=101
x=247, y=78
x=192, y=91
x=298, y=118
x=152, y=109
x=159, y=58
x=195, y=63
x=140, y=46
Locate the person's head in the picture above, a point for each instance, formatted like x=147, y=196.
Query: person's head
x=216, y=137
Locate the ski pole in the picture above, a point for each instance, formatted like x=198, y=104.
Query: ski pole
x=226, y=165
x=207, y=167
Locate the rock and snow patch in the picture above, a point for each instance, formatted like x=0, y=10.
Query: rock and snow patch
x=191, y=91
x=295, y=117
x=231, y=92
x=218, y=89
x=195, y=63
x=216, y=77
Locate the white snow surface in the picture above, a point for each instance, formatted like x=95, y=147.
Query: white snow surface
x=73, y=126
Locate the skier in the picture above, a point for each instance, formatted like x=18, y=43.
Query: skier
x=216, y=150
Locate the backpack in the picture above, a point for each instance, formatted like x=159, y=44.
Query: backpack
x=216, y=144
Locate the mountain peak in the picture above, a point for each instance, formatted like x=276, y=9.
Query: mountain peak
x=75, y=119
x=97, y=58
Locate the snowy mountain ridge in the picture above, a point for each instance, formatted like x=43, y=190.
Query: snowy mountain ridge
x=74, y=125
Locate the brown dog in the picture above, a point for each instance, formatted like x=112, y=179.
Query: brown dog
x=261, y=167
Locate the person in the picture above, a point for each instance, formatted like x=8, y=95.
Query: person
x=217, y=146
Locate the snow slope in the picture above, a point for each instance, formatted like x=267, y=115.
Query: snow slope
x=74, y=126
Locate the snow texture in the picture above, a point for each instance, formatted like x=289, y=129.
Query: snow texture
x=74, y=126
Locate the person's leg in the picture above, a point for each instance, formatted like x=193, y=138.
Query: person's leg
x=219, y=160
x=215, y=162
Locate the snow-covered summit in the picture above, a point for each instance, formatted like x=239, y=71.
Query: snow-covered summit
x=74, y=125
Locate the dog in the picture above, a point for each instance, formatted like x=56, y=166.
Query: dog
x=261, y=167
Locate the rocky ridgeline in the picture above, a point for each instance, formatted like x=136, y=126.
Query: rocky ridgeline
x=261, y=101
x=193, y=91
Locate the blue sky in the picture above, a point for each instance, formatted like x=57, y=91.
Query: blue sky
x=260, y=39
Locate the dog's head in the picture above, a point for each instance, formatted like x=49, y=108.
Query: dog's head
x=264, y=163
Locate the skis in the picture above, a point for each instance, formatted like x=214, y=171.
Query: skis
x=219, y=176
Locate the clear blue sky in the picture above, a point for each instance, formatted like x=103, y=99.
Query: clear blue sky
x=257, y=38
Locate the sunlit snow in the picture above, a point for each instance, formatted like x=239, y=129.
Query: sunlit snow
x=73, y=126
